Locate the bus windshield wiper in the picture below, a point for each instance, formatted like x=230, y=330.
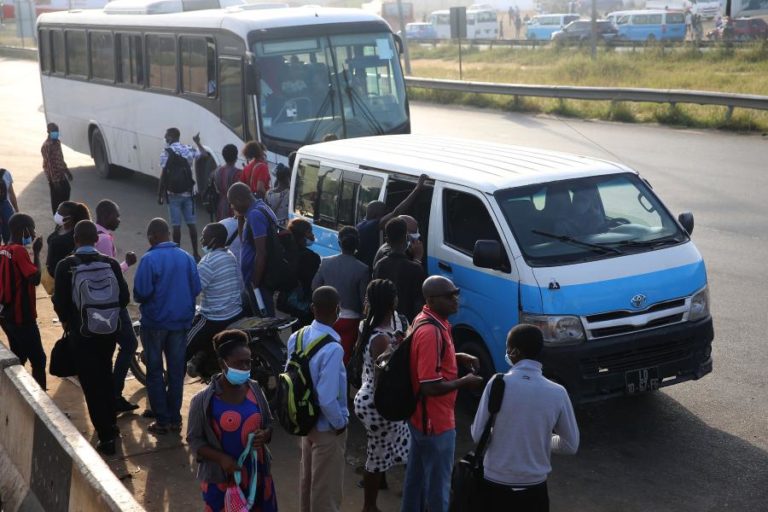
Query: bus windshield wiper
x=575, y=241
x=328, y=100
x=354, y=98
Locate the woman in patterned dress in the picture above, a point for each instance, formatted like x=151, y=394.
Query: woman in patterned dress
x=388, y=441
x=220, y=419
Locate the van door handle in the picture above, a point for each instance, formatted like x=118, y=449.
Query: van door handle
x=444, y=266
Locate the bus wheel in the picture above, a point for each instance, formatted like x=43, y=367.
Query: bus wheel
x=100, y=158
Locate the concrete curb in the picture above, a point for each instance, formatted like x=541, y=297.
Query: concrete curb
x=46, y=464
x=15, y=52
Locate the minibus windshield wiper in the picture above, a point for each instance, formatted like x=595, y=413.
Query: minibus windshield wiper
x=658, y=242
x=575, y=241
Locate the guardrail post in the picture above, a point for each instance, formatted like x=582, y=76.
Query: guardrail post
x=729, y=114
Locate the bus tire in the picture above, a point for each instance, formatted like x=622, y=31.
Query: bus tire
x=101, y=157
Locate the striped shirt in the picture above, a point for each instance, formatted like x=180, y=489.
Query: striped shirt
x=221, y=285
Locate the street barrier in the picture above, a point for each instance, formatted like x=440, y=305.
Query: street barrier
x=672, y=96
x=45, y=464
x=614, y=43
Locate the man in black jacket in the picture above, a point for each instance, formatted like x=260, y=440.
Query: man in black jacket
x=92, y=354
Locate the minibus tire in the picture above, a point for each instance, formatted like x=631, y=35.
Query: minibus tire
x=101, y=157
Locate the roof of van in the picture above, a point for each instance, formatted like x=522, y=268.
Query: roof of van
x=483, y=165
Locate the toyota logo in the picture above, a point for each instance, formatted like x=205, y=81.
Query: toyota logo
x=638, y=300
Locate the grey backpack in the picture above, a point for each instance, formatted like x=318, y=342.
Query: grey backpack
x=96, y=295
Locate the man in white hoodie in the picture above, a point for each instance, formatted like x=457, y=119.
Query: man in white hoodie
x=517, y=460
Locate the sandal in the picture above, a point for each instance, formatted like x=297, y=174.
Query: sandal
x=158, y=429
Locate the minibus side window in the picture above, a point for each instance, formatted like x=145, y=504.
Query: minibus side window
x=328, y=188
x=465, y=221
x=370, y=188
x=306, y=189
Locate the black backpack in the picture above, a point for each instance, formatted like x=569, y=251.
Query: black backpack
x=3, y=186
x=297, y=408
x=178, y=173
x=280, y=272
x=357, y=359
x=394, y=397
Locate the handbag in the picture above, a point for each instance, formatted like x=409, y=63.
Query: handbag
x=467, y=476
x=63, y=363
x=234, y=498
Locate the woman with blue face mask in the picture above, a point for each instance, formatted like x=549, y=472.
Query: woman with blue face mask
x=221, y=419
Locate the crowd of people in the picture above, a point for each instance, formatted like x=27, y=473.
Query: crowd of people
x=369, y=298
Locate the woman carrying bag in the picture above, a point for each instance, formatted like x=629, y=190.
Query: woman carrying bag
x=228, y=429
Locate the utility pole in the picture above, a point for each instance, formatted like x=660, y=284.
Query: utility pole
x=401, y=19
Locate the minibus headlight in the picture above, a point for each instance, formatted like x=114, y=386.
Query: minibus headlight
x=558, y=330
x=699, y=305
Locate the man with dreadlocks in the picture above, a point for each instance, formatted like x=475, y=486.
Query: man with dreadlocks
x=387, y=441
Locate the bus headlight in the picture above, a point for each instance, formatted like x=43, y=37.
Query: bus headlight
x=699, y=305
x=558, y=330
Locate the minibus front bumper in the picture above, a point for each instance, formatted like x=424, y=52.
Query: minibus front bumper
x=632, y=363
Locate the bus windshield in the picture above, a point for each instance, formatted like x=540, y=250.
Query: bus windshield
x=345, y=85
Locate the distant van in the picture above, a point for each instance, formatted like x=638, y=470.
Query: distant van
x=649, y=25
x=581, y=247
x=542, y=27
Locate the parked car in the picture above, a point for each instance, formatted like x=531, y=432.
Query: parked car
x=740, y=29
x=542, y=27
x=420, y=31
x=651, y=25
x=580, y=31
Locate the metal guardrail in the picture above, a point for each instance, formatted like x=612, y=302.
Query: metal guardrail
x=672, y=96
x=614, y=43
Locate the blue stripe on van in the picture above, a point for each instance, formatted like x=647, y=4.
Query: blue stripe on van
x=615, y=294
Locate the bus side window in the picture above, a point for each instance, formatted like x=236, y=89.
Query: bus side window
x=44, y=42
x=77, y=53
x=161, y=54
x=231, y=94
x=130, y=59
x=102, y=55
x=198, y=66
x=57, y=52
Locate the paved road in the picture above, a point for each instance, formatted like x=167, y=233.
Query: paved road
x=696, y=446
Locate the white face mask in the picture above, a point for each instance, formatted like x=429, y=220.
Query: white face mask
x=58, y=219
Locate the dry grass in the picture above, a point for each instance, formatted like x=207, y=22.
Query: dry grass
x=742, y=70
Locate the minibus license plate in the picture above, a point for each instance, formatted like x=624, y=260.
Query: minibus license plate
x=640, y=381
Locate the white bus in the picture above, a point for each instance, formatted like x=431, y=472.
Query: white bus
x=482, y=23
x=114, y=82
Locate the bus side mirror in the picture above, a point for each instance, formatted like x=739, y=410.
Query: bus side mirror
x=488, y=254
x=686, y=220
x=399, y=43
x=252, y=80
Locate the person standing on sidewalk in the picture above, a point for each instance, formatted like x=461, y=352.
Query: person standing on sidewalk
x=536, y=419
x=107, y=221
x=19, y=275
x=434, y=373
x=166, y=285
x=177, y=186
x=350, y=277
x=93, y=354
x=55, y=168
x=322, y=450
x=8, y=205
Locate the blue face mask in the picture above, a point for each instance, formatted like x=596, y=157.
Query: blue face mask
x=26, y=240
x=205, y=249
x=237, y=377
x=54, y=135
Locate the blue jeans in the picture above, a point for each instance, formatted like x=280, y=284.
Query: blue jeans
x=181, y=207
x=128, y=344
x=165, y=399
x=428, y=474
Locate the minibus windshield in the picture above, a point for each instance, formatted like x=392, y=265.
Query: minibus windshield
x=585, y=219
x=346, y=85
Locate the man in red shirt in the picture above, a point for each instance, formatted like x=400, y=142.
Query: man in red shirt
x=18, y=278
x=256, y=172
x=434, y=372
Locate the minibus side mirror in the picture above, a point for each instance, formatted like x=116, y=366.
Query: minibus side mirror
x=488, y=254
x=252, y=85
x=399, y=43
x=686, y=220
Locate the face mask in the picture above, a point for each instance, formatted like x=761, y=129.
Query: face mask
x=54, y=135
x=412, y=237
x=508, y=360
x=237, y=377
x=308, y=242
x=205, y=249
x=26, y=240
x=58, y=219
